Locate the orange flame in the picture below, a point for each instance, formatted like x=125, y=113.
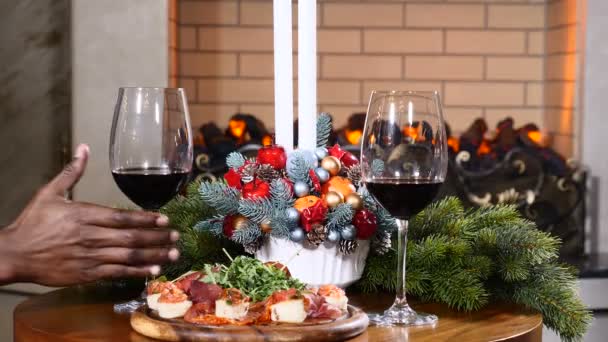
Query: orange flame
x=267, y=140
x=237, y=128
x=454, y=144
x=536, y=137
x=484, y=148
x=353, y=136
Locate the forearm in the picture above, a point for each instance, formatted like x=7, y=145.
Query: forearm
x=8, y=259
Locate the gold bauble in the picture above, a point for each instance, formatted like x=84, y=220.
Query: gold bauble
x=355, y=201
x=331, y=165
x=265, y=226
x=332, y=199
x=239, y=222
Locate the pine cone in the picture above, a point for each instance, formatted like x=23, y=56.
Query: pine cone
x=347, y=246
x=248, y=172
x=317, y=234
x=267, y=173
x=381, y=242
x=254, y=246
x=354, y=173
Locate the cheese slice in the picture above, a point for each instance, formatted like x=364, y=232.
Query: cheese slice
x=230, y=311
x=173, y=310
x=290, y=311
x=152, y=301
x=339, y=302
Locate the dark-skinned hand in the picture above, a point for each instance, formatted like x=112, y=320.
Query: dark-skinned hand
x=57, y=242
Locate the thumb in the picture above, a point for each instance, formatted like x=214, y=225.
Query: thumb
x=71, y=173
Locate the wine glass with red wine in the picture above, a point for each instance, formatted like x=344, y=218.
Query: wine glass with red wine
x=404, y=161
x=151, y=144
x=150, y=149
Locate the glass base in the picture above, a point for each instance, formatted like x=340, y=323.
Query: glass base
x=402, y=315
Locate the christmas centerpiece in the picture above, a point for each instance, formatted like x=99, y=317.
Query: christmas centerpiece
x=307, y=208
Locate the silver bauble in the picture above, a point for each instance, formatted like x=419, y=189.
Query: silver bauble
x=348, y=232
x=333, y=236
x=310, y=158
x=296, y=235
x=293, y=215
x=322, y=174
x=301, y=189
x=321, y=152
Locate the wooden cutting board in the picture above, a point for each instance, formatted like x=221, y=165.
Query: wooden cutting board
x=147, y=323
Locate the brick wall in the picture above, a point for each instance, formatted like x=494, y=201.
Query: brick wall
x=561, y=87
x=487, y=58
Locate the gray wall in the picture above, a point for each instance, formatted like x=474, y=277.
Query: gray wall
x=34, y=98
x=115, y=43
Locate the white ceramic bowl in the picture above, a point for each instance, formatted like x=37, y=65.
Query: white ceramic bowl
x=316, y=266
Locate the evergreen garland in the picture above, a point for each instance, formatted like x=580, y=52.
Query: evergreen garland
x=324, y=128
x=463, y=258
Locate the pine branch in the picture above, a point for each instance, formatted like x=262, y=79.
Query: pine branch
x=221, y=197
x=257, y=210
x=280, y=194
x=298, y=168
x=235, y=160
x=248, y=234
x=377, y=167
x=340, y=216
x=324, y=128
x=214, y=225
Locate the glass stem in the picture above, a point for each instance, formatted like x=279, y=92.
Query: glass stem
x=402, y=225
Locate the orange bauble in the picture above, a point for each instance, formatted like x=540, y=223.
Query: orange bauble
x=305, y=202
x=340, y=185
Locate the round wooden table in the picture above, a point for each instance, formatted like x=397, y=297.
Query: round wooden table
x=84, y=313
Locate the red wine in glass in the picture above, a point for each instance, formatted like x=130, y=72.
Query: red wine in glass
x=150, y=188
x=403, y=198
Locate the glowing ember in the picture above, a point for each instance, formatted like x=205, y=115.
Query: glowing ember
x=484, y=148
x=454, y=144
x=536, y=137
x=267, y=140
x=237, y=128
x=353, y=136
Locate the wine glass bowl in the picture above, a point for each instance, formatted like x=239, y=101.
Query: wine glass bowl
x=151, y=144
x=403, y=164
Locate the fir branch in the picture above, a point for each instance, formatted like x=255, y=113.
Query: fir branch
x=340, y=216
x=324, y=128
x=256, y=209
x=298, y=168
x=235, y=160
x=248, y=234
x=214, y=225
x=280, y=194
x=280, y=224
x=221, y=197
x=377, y=167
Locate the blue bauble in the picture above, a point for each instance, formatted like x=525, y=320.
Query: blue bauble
x=322, y=174
x=321, y=152
x=333, y=236
x=296, y=235
x=301, y=189
x=348, y=232
x=293, y=215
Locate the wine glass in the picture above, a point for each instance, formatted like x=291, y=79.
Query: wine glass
x=404, y=161
x=150, y=150
x=151, y=144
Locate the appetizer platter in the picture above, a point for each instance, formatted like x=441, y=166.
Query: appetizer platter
x=246, y=300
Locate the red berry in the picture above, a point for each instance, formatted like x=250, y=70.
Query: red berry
x=274, y=156
x=365, y=222
x=256, y=189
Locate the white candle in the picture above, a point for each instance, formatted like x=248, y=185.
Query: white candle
x=307, y=74
x=283, y=74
